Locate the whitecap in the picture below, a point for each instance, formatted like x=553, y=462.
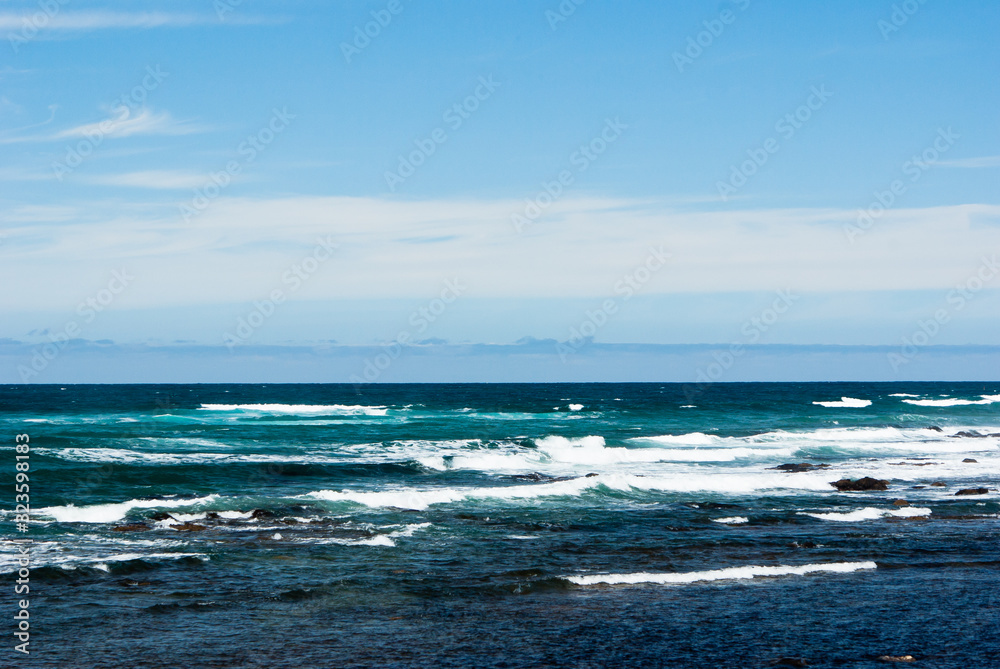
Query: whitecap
x=870, y=513
x=731, y=573
x=109, y=513
x=301, y=409
x=732, y=520
x=952, y=402
x=848, y=402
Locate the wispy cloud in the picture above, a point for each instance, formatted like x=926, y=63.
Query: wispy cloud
x=972, y=163
x=145, y=122
x=156, y=179
x=108, y=20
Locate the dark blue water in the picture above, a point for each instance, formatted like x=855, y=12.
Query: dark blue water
x=577, y=525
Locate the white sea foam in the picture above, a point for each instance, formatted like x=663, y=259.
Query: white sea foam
x=731, y=483
x=302, y=409
x=847, y=402
x=109, y=513
x=732, y=520
x=731, y=573
x=952, y=402
x=870, y=513
x=903, y=395
x=575, y=407
x=692, y=438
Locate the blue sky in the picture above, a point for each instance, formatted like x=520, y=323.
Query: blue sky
x=175, y=174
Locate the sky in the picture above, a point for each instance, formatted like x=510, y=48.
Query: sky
x=576, y=190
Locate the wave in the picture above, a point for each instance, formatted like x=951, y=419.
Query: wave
x=731, y=573
x=951, y=402
x=302, y=409
x=385, y=540
x=421, y=498
x=732, y=520
x=693, y=438
x=870, y=513
x=848, y=402
x=110, y=513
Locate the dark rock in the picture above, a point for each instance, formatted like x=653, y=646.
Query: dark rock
x=897, y=658
x=533, y=476
x=160, y=515
x=211, y=515
x=939, y=484
x=803, y=544
x=969, y=435
x=935, y=428
x=188, y=527
x=900, y=502
x=862, y=484
x=972, y=491
x=799, y=467
x=131, y=527
x=917, y=487
x=257, y=514
x=590, y=475
x=970, y=460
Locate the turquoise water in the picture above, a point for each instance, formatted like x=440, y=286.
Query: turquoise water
x=508, y=525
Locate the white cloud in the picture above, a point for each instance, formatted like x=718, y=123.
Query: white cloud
x=157, y=179
x=238, y=249
x=101, y=20
x=972, y=163
x=146, y=122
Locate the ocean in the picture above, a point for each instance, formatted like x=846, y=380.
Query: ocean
x=506, y=525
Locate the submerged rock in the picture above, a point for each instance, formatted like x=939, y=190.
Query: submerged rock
x=972, y=491
x=131, y=527
x=188, y=527
x=799, y=467
x=261, y=513
x=970, y=460
x=862, y=484
x=900, y=502
x=939, y=484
